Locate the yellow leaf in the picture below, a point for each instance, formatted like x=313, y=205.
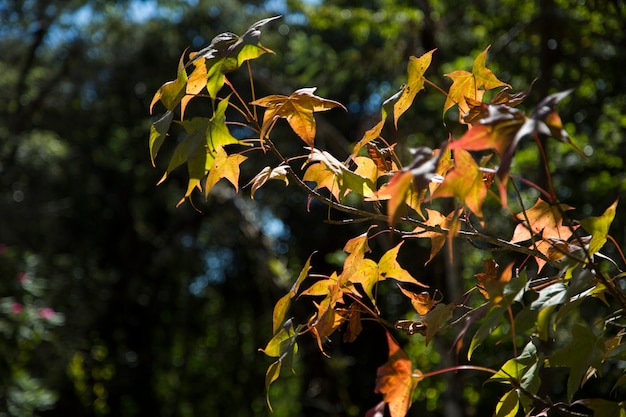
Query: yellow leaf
x=416, y=69
x=297, y=109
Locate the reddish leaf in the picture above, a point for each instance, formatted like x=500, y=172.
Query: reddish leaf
x=297, y=109
x=395, y=380
x=465, y=182
x=544, y=218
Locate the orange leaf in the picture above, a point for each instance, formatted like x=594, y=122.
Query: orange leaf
x=395, y=380
x=437, y=239
x=422, y=302
x=465, y=182
x=543, y=217
x=297, y=109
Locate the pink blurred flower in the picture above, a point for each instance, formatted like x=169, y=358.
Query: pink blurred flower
x=17, y=308
x=22, y=277
x=46, y=313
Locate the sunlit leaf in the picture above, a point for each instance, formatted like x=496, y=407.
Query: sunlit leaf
x=297, y=109
x=599, y=228
x=172, y=92
x=469, y=84
x=437, y=240
x=282, y=306
x=508, y=404
x=266, y=174
x=395, y=380
x=158, y=132
x=602, y=407
x=464, y=182
x=388, y=267
x=224, y=166
x=436, y=318
x=416, y=69
x=422, y=302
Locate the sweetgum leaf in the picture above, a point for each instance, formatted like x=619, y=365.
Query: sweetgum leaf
x=465, y=182
x=224, y=166
x=584, y=350
x=508, y=405
x=297, y=109
x=266, y=174
x=599, y=228
x=468, y=84
x=395, y=380
x=416, y=69
x=388, y=267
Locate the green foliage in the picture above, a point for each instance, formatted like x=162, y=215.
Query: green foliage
x=561, y=271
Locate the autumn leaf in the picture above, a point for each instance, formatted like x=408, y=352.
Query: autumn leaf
x=422, y=302
x=297, y=109
x=416, y=69
x=543, y=218
x=490, y=285
x=266, y=174
x=388, y=267
x=372, y=134
x=410, y=183
x=224, y=166
x=468, y=84
x=437, y=239
x=465, y=182
x=332, y=174
x=395, y=380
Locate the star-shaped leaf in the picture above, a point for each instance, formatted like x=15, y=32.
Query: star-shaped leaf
x=224, y=166
x=437, y=240
x=464, y=181
x=297, y=109
x=388, y=267
x=468, y=84
x=395, y=380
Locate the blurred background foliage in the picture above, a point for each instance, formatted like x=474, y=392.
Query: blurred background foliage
x=114, y=302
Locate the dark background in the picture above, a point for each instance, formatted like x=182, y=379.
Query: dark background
x=160, y=311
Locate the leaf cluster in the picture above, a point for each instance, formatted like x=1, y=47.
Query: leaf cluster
x=533, y=300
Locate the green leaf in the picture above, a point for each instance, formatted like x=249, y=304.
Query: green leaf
x=584, y=350
x=199, y=148
x=489, y=323
x=602, y=407
x=281, y=307
x=158, y=132
x=436, y=318
x=598, y=227
x=172, y=92
x=508, y=405
x=272, y=374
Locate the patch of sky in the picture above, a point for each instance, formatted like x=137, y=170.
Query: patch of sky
x=219, y=263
